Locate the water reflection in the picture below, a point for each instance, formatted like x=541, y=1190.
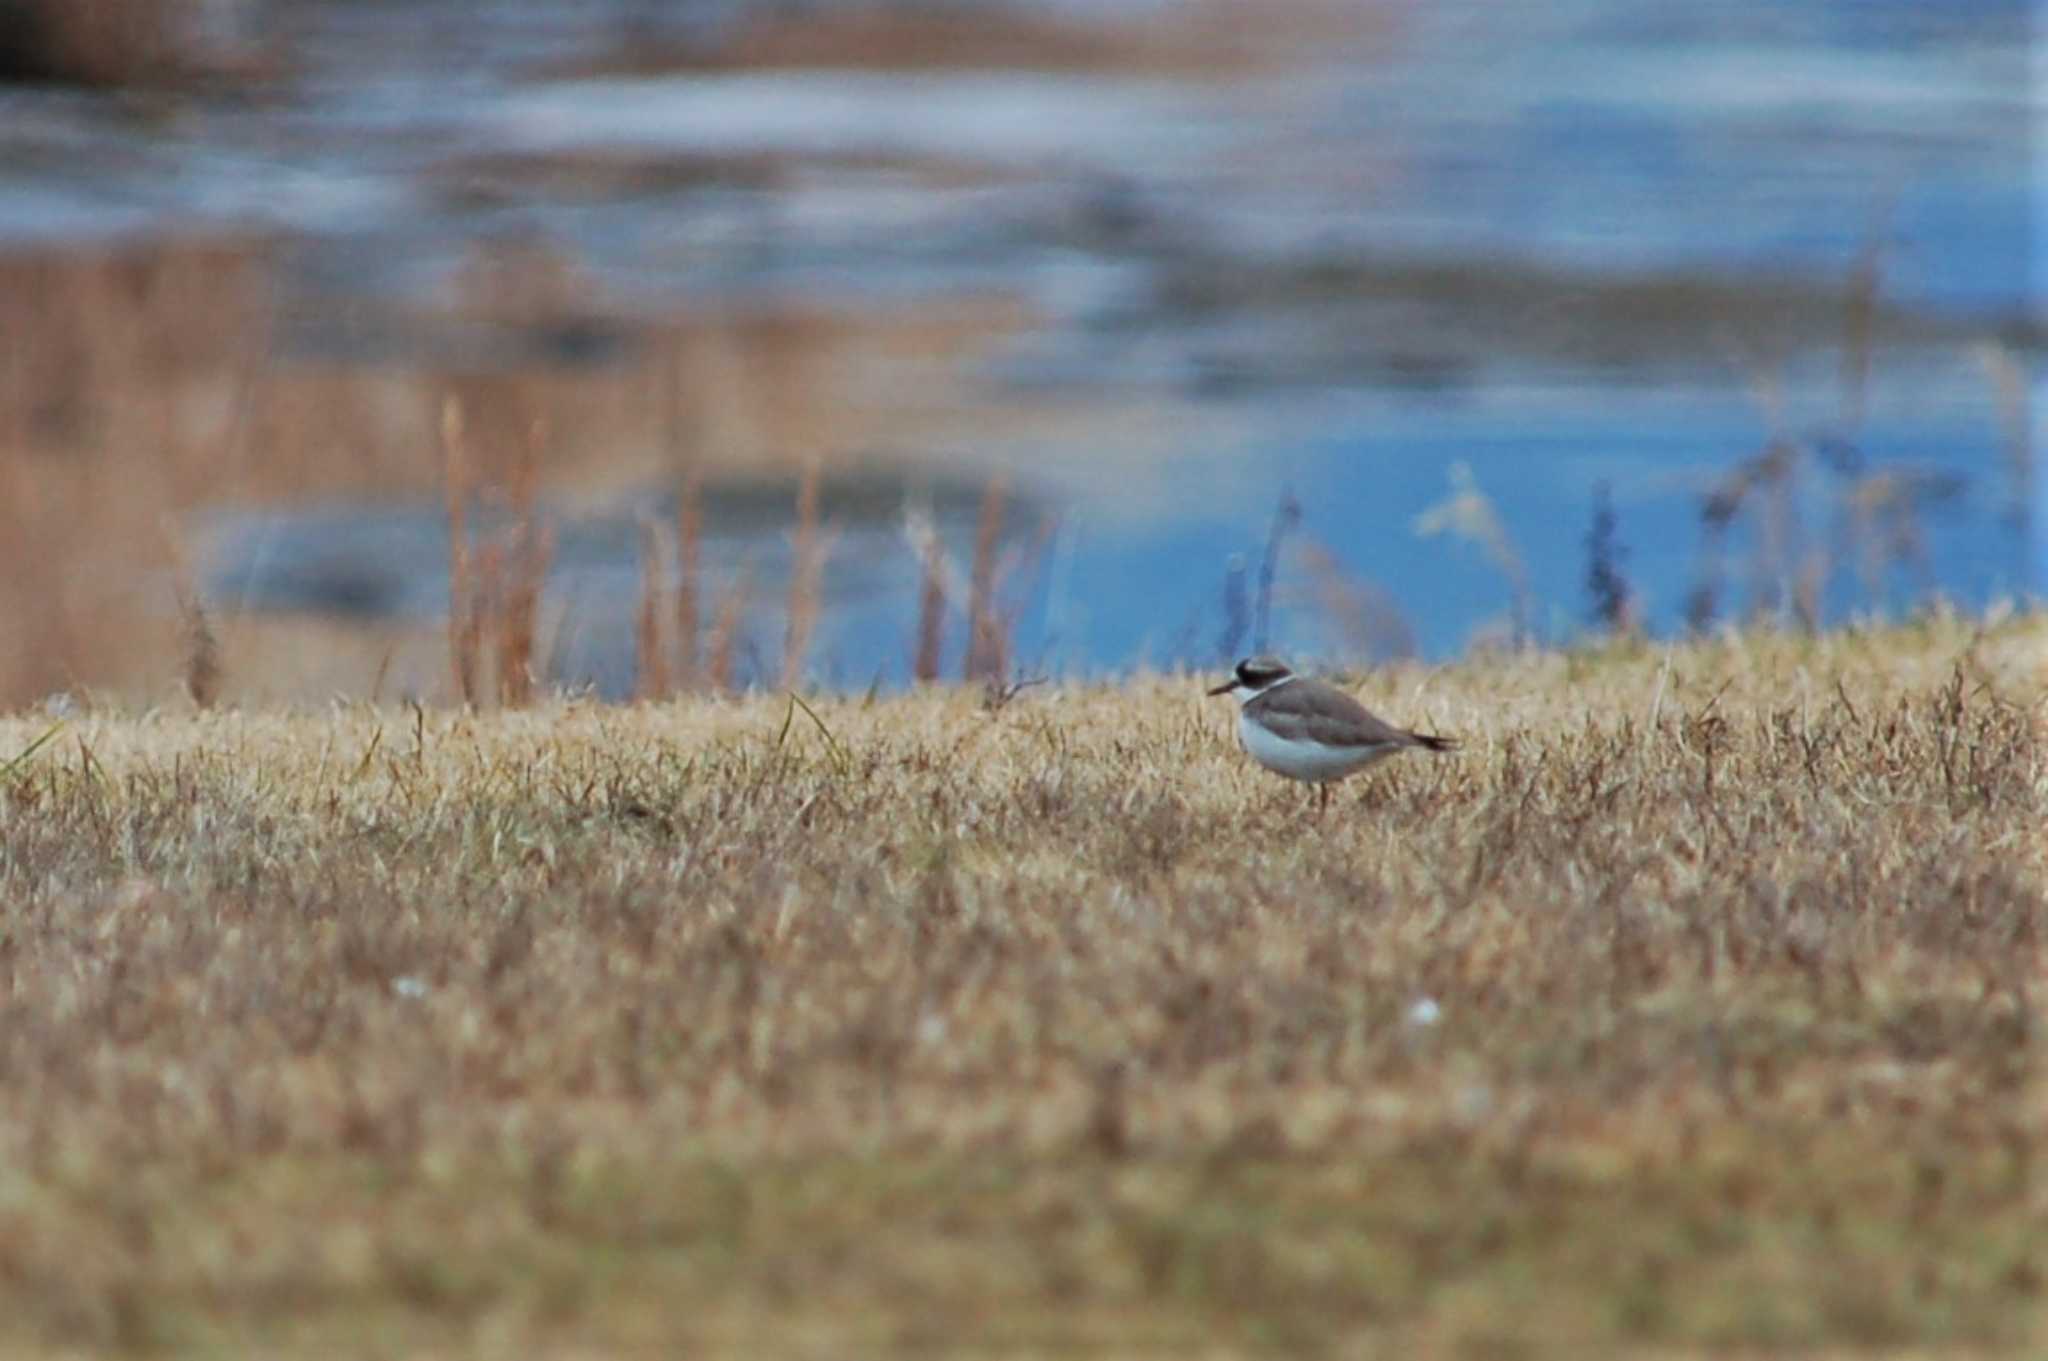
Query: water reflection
x=1757, y=272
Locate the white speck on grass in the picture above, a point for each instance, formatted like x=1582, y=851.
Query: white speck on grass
x=408, y=986
x=1423, y=1013
x=1473, y=1103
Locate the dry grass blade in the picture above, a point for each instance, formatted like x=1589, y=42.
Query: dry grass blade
x=19, y=761
x=841, y=763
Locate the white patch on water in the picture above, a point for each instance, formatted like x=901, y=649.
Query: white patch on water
x=989, y=119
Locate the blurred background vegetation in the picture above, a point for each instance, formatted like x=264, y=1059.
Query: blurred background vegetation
x=456, y=350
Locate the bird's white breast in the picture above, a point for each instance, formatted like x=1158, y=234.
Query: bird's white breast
x=1303, y=760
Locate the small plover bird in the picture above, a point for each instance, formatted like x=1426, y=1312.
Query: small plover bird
x=1309, y=730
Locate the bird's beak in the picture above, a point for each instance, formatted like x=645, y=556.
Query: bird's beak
x=1224, y=688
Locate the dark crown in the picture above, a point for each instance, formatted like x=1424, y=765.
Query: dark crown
x=1261, y=671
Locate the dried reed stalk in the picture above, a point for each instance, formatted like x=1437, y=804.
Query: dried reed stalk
x=687, y=438
x=1772, y=588
x=1859, y=321
x=40, y=636
x=941, y=581
x=725, y=631
x=486, y=602
x=689, y=548
x=201, y=645
x=527, y=564
x=931, y=617
x=1286, y=518
x=2016, y=417
x=1807, y=583
x=1468, y=513
x=1371, y=624
x=1703, y=599
x=1019, y=559
x=202, y=654
x=806, y=559
x=1607, y=584
x=1237, y=609
x=985, y=660
x=464, y=621
x=651, y=669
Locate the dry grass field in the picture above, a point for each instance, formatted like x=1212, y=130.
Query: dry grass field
x=1688, y=1010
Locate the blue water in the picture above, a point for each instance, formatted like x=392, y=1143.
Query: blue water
x=1362, y=490
x=1113, y=590
x=1593, y=140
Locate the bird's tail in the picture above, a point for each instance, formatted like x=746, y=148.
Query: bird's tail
x=1433, y=742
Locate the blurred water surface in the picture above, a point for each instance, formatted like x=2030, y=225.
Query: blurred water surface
x=1569, y=246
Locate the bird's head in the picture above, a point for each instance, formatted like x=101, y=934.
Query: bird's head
x=1254, y=676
